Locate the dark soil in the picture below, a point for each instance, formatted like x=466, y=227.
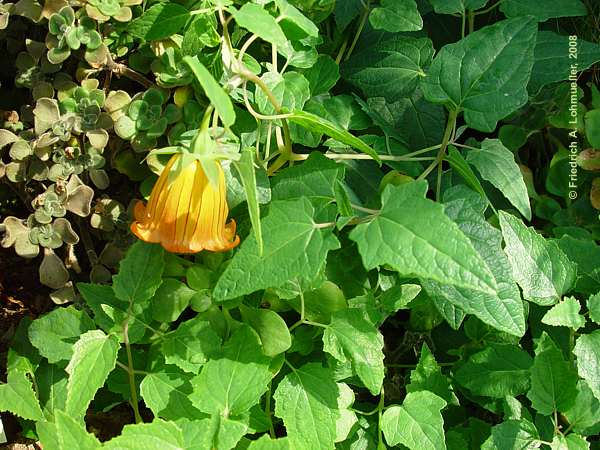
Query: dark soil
x=21, y=294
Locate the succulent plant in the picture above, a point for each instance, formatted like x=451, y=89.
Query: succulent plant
x=170, y=70
x=5, y=10
x=66, y=34
x=142, y=119
x=595, y=193
x=48, y=206
x=72, y=160
x=81, y=114
x=589, y=159
x=103, y=10
x=33, y=67
x=86, y=102
x=27, y=236
x=50, y=126
x=107, y=214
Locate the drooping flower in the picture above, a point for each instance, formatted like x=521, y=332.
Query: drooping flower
x=186, y=213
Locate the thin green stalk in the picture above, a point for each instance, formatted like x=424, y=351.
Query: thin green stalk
x=444, y=145
x=366, y=210
x=571, y=345
x=268, y=412
x=358, y=156
x=340, y=55
x=301, y=321
x=361, y=26
x=487, y=10
x=463, y=24
x=380, y=408
x=470, y=147
x=131, y=373
x=471, y=18
x=315, y=324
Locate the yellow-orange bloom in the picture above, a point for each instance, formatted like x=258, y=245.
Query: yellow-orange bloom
x=185, y=213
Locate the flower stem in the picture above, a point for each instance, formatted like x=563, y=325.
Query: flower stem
x=131, y=373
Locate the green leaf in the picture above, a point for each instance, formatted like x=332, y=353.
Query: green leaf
x=158, y=435
x=291, y=90
x=315, y=178
x=213, y=90
x=17, y=396
x=167, y=394
x=539, y=266
x=511, y=435
x=456, y=6
x=433, y=247
x=294, y=23
x=449, y=311
x=218, y=433
x=245, y=168
x=191, y=345
x=352, y=337
x=428, y=376
x=552, y=63
x=317, y=124
x=551, y=9
x=593, y=306
x=592, y=127
x=460, y=165
x=170, y=300
x=51, y=388
x=323, y=75
x=320, y=302
x=417, y=424
x=270, y=327
x=553, y=379
x=266, y=443
x=158, y=22
x=257, y=20
x=55, y=333
x=570, y=442
x=71, y=434
x=390, y=68
x=496, y=371
x=396, y=15
x=139, y=273
x=497, y=165
x=587, y=350
x=94, y=357
x=295, y=248
x=413, y=120
x=484, y=74
x=584, y=415
x=565, y=314
x=234, y=383
x=584, y=253
x=199, y=34
x=306, y=401
x=346, y=11
x=111, y=314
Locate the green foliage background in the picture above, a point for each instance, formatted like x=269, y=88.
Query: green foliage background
x=416, y=270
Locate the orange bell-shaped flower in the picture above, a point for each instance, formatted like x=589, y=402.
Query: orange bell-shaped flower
x=186, y=213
